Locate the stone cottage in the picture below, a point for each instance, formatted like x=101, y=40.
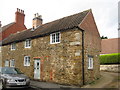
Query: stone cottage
x=64, y=51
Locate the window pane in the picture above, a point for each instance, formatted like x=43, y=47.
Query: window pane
x=90, y=63
x=13, y=46
x=28, y=43
x=57, y=37
x=53, y=38
x=12, y=63
x=6, y=63
x=26, y=61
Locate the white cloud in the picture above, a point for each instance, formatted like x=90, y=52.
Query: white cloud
x=104, y=11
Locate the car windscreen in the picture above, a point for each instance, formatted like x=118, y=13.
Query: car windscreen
x=11, y=71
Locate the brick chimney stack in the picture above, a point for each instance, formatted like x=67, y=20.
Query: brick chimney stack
x=19, y=18
x=37, y=20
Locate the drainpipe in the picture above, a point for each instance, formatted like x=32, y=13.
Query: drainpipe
x=83, y=77
x=83, y=70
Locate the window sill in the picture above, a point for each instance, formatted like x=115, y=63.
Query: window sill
x=26, y=66
x=90, y=68
x=13, y=49
x=27, y=47
x=55, y=43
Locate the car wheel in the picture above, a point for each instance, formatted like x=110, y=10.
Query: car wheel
x=3, y=86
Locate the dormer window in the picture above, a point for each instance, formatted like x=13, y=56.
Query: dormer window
x=55, y=38
x=13, y=46
x=27, y=43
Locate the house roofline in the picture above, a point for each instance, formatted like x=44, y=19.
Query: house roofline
x=43, y=35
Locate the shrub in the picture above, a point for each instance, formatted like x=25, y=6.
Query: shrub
x=110, y=58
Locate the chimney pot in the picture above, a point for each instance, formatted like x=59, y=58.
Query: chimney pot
x=37, y=14
x=20, y=11
x=34, y=15
x=23, y=11
x=17, y=9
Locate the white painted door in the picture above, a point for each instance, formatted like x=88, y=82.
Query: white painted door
x=37, y=69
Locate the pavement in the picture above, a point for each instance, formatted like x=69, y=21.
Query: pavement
x=42, y=85
x=103, y=82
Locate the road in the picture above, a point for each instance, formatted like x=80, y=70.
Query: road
x=107, y=80
x=31, y=88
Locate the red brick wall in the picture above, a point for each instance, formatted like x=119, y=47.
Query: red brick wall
x=91, y=31
x=12, y=29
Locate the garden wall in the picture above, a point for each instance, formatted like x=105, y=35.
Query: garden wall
x=110, y=68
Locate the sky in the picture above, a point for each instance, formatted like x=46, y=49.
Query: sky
x=105, y=12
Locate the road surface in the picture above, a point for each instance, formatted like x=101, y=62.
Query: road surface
x=107, y=80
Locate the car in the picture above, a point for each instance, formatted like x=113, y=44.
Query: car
x=12, y=77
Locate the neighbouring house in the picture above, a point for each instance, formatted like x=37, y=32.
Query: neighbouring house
x=64, y=51
x=13, y=27
x=109, y=55
x=109, y=46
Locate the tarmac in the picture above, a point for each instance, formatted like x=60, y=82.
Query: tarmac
x=42, y=85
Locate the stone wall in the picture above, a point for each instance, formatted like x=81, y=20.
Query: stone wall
x=110, y=68
x=60, y=63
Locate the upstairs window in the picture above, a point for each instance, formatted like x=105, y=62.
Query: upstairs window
x=13, y=46
x=12, y=63
x=26, y=61
x=28, y=43
x=90, y=62
x=55, y=38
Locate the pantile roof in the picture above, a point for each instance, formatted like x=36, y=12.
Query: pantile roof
x=110, y=46
x=7, y=26
x=54, y=26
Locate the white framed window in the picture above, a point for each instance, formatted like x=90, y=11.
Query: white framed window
x=27, y=61
x=6, y=63
x=90, y=62
x=12, y=63
x=55, y=38
x=13, y=46
x=27, y=43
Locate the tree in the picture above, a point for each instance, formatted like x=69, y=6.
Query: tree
x=103, y=37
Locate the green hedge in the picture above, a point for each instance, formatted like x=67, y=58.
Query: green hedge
x=110, y=58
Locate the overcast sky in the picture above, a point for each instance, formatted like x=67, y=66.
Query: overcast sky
x=105, y=12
